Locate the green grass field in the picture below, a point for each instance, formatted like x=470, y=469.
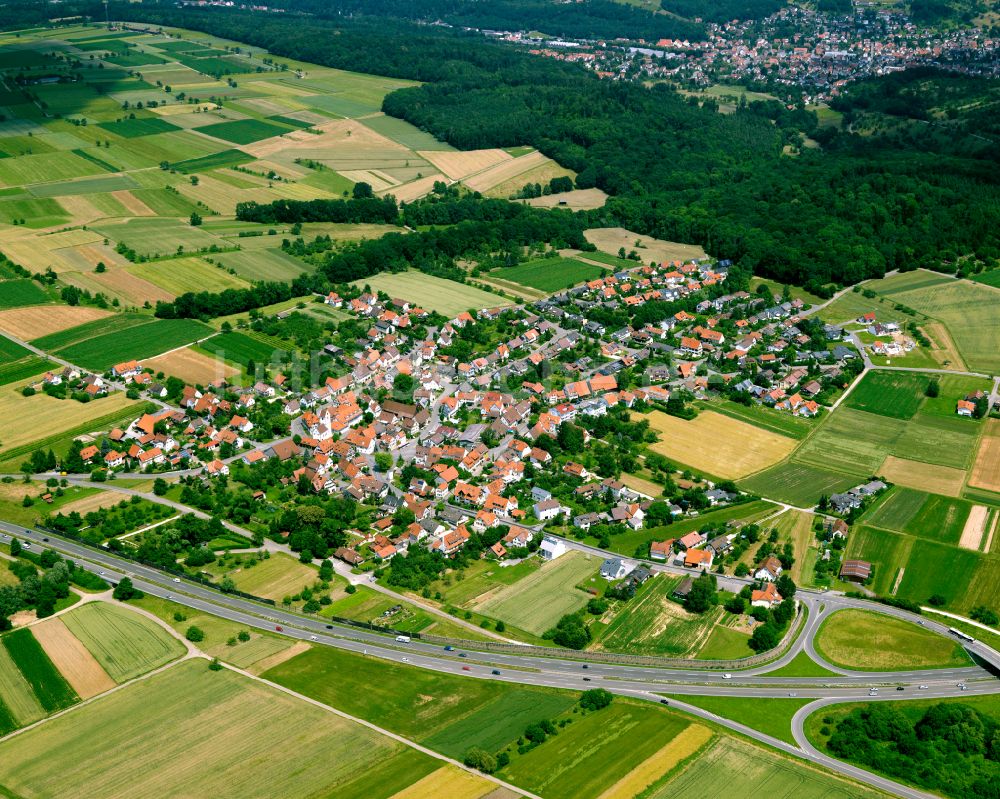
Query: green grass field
x=894, y=394
x=496, y=724
x=240, y=348
x=180, y=275
x=18, y=293
x=773, y=717
x=126, y=644
x=12, y=353
x=433, y=293
x=549, y=274
x=538, y=601
x=801, y=484
x=201, y=728
x=482, y=576
x=801, y=666
x=735, y=767
x=269, y=264
x=153, y=236
x=102, y=352
x=929, y=516
x=88, y=330
x=407, y=701
x=243, y=131
x=132, y=128
x=595, y=751
x=207, y=163
x=869, y=641
x=50, y=687
x=16, y=692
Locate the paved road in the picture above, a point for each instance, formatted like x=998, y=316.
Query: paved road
x=637, y=681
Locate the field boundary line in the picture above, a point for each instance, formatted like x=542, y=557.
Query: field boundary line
x=382, y=731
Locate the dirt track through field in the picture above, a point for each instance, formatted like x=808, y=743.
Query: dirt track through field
x=899, y=579
x=75, y=663
x=972, y=533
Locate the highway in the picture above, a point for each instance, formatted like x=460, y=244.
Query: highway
x=562, y=671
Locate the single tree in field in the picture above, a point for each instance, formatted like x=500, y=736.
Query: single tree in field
x=195, y=219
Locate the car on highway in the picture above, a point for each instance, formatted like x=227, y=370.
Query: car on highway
x=329, y=626
x=584, y=666
x=45, y=540
x=277, y=627
x=313, y=638
x=26, y=545
x=404, y=660
x=101, y=574
x=963, y=687
x=793, y=694
x=922, y=687
x=664, y=702
x=727, y=676
x=462, y=655
x=873, y=692
x=449, y=648
x=495, y=671
x=586, y=679
x=177, y=579
x=900, y=688
x=466, y=668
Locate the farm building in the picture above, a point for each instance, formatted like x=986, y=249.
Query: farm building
x=857, y=571
x=698, y=559
x=684, y=588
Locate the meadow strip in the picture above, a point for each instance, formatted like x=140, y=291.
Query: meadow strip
x=975, y=524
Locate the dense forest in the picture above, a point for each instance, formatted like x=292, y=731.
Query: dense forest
x=951, y=749
x=853, y=209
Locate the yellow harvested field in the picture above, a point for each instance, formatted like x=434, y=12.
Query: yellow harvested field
x=133, y=204
x=944, y=480
x=542, y=174
x=502, y=172
x=642, y=485
x=450, y=781
x=340, y=135
x=414, y=190
x=133, y=289
x=70, y=656
x=27, y=419
x=975, y=526
x=102, y=499
x=986, y=470
x=718, y=445
x=689, y=741
x=578, y=199
x=191, y=366
x=41, y=320
x=944, y=351
x=458, y=165
x=612, y=239
x=377, y=182
x=80, y=208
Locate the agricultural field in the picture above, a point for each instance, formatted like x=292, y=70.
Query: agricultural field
x=32, y=323
x=738, y=449
x=21, y=292
x=536, y=602
x=924, y=515
x=124, y=642
x=612, y=239
x=140, y=342
x=798, y=483
x=654, y=624
x=50, y=688
x=986, y=470
x=867, y=641
x=433, y=293
x=241, y=348
x=275, y=578
x=76, y=664
x=944, y=480
x=549, y=274
x=223, y=710
x=601, y=749
x=736, y=767
x=576, y=200
x=24, y=420
x=894, y=394
x=191, y=366
x=135, y=173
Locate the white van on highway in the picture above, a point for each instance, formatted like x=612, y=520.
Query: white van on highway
x=403, y=639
